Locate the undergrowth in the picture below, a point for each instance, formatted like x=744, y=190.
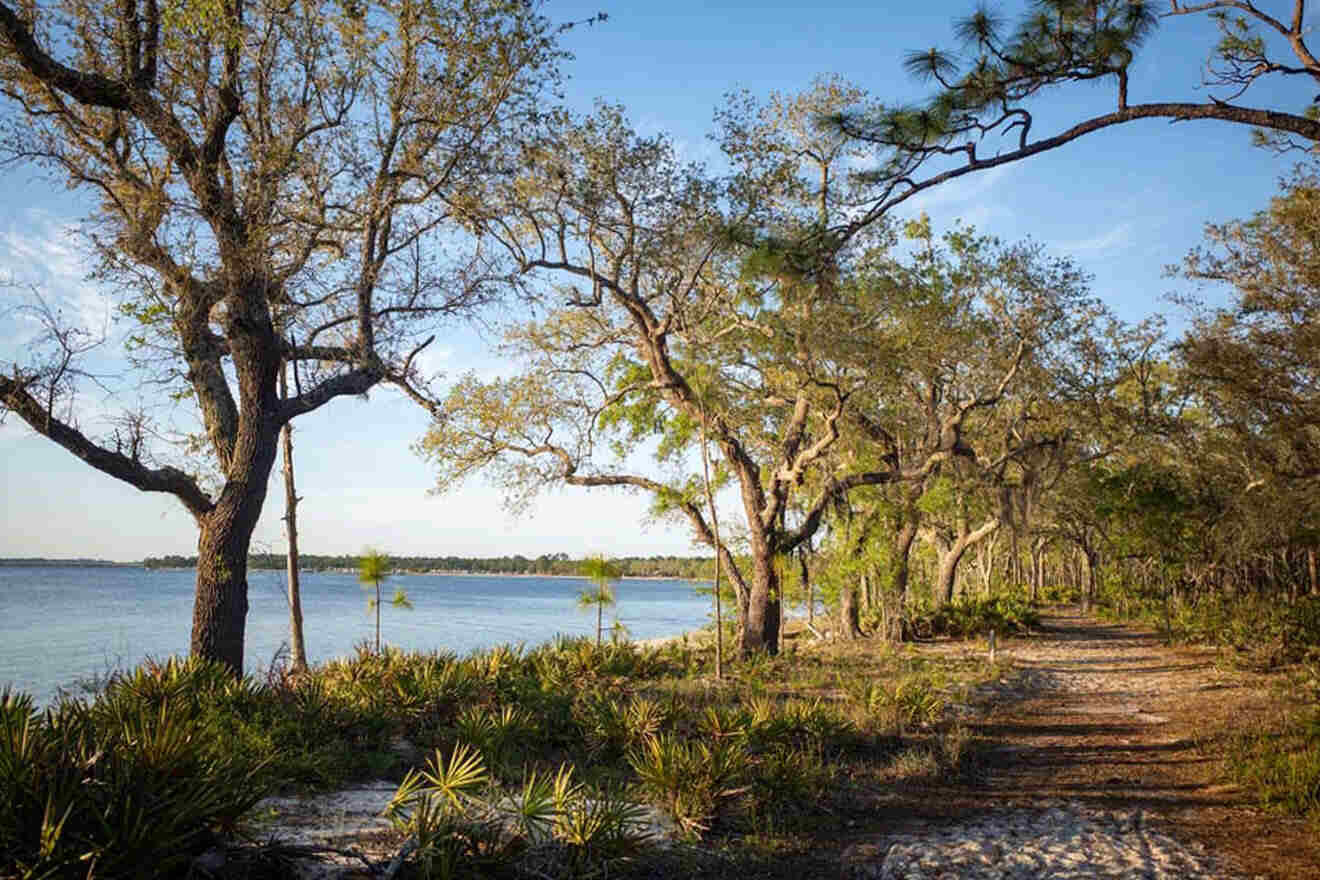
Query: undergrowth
x=539, y=760
x=138, y=780
x=972, y=616
x=1262, y=633
x=1278, y=758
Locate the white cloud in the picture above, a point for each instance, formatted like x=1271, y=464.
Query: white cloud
x=961, y=195
x=40, y=252
x=434, y=360
x=1119, y=236
x=702, y=150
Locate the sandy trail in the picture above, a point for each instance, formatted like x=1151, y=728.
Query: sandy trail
x=1098, y=766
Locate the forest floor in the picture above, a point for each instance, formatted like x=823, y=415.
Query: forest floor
x=1108, y=720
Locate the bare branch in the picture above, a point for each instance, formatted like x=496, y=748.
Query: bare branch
x=15, y=397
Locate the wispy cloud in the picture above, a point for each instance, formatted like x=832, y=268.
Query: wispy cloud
x=43, y=254
x=1118, y=236
x=687, y=149
x=962, y=194
x=434, y=360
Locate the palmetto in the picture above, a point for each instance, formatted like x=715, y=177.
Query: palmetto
x=373, y=568
x=601, y=593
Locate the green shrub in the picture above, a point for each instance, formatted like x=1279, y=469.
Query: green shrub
x=609, y=727
x=788, y=781
x=689, y=779
x=141, y=776
x=1263, y=633
x=911, y=701
x=721, y=723
x=798, y=724
x=1058, y=594
x=578, y=661
x=550, y=826
x=970, y=617
x=500, y=736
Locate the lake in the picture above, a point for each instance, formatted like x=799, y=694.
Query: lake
x=61, y=624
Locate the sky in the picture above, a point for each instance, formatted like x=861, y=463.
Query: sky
x=1125, y=203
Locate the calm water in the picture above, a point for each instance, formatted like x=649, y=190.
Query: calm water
x=62, y=624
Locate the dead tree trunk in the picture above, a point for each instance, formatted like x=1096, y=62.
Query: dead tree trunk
x=715, y=529
x=297, y=647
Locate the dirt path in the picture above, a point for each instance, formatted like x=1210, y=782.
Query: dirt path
x=1101, y=746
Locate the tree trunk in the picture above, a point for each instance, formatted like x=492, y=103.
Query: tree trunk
x=761, y=622
x=1090, y=562
x=985, y=564
x=1014, y=572
x=225, y=531
x=889, y=602
x=1293, y=582
x=783, y=607
x=224, y=536
x=297, y=647
x=903, y=539
x=715, y=530
x=849, y=624
x=1311, y=570
x=946, y=580
x=952, y=553
x=807, y=588
x=1037, y=567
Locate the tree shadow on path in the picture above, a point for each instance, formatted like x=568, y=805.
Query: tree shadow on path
x=1112, y=719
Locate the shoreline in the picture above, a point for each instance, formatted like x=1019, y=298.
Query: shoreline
x=433, y=573
x=112, y=619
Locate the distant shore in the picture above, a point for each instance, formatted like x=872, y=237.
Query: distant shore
x=42, y=562
x=47, y=562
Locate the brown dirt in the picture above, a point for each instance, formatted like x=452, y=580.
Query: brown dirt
x=1108, y=716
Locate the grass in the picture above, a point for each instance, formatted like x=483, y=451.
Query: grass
x=1259, y=633
x=1277, y=759
x=1280, y=763
x=573, y=734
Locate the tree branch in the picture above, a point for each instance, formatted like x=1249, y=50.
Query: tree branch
x=170, y=480
x=86, y=88
x=1271, y=119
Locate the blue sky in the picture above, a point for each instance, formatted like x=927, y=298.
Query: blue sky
x=1124, y=203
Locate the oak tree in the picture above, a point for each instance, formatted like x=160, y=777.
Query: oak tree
x=269, y=182
x=669, y=329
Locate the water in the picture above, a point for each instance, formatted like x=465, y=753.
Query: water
x=61, y=624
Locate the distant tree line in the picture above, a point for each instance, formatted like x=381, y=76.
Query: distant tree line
x=42, y=561
x=695, y=568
